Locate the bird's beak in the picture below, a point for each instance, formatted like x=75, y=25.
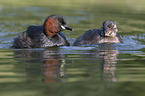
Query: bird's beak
x=66, y=27
x=108, y=32
x=111, y=32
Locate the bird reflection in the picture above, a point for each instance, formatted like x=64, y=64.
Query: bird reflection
x=49, y=62
x=108, y=55
x=52, y=64
x=34, y=59
x=109, y=65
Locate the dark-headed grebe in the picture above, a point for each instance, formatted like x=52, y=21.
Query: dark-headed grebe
x=48, y=35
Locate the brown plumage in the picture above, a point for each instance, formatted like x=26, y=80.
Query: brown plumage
x=48, y=35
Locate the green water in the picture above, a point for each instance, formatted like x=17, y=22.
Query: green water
x=97, y=70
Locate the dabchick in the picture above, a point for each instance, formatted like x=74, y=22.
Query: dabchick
x=48, y=35
x=108, y=34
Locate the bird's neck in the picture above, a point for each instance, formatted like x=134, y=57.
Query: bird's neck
x=49, y=33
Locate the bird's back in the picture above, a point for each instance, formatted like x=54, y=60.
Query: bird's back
x=35, y=37
x=90, y=37
x=95, y=36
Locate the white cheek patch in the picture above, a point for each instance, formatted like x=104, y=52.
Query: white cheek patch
x=62, y=27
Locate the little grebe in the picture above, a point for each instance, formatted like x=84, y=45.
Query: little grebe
x=48, y=35
x=108, y=34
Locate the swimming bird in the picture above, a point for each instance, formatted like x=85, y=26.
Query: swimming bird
x=108, y=34
x=48, y=35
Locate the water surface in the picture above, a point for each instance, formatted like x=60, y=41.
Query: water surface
x=91, y=70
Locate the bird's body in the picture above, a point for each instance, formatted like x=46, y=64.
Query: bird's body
x=35, y=37
x=48, y=35
x=104, y=35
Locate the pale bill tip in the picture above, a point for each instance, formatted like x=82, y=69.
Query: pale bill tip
x=62, y=27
